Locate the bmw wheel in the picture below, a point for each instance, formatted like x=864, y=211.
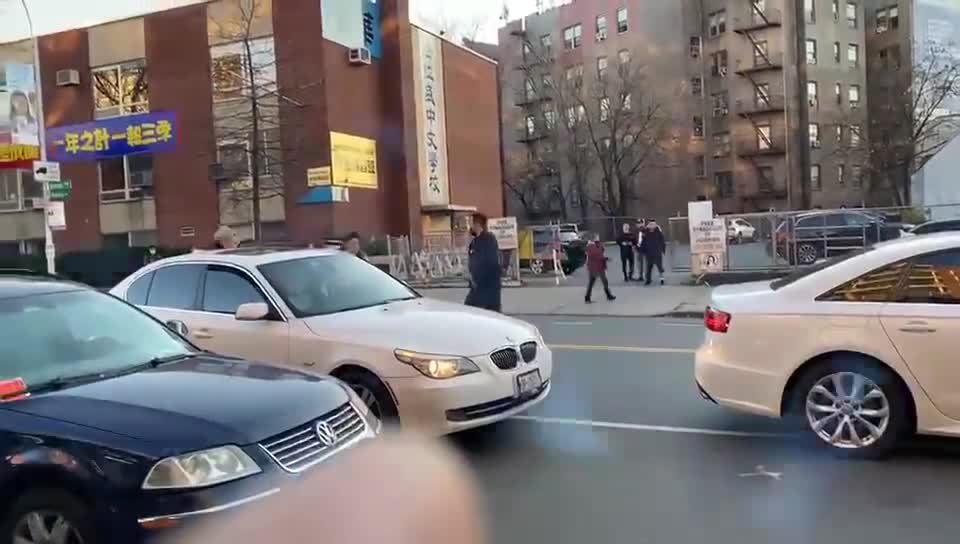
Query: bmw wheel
x=372, y=392
x=857, y=408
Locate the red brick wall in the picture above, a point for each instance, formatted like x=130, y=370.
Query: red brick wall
x=178, y=67
x=473, y=130
x=67, y=106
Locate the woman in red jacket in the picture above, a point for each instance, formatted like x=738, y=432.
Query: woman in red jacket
x=597, y=268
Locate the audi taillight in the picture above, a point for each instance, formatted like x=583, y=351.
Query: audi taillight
x=716, y=321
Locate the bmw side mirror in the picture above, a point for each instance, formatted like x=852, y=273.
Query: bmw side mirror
x=252, y=311
x=178, y=327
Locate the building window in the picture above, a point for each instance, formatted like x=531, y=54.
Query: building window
x=851, y=15
x=527, y=52
x=696, y=86
x=838, y=93
x=894, y=17
x=17, y=190
x=811, y=51
x=856, y=176
x=626, y=99
x=841, y=172
x=855, y=135
x=809, y=11
x=836, y=52
x=126, y=178
x=696, y=46
x=761, y=95
x=760, y=53
x=605, y=108
x=571, y=117
x=883, y=21
x=546, y=43
x=699, y=166
x=622, y=25
x=853, y=96
x=718, y=23
x=815, y=177
x=838, y=132
x=721, y=145
x=601, y=28
x=574, y=75
x=719, y=64
x=763, y=136
x=724, y=183
x=572, y=36
x=227, y=76
x=530, y=125
x=814, y=131
x=120, y=89
x=813, y=94
x=601, y=67
x=721, y=104
x=546, y=81
x=895, y=58
x=853, y=54
x=529, y=90
x=550, y=119
x=697, y=127
x=765, y=183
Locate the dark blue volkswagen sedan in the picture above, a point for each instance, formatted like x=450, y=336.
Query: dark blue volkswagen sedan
x=113, y=428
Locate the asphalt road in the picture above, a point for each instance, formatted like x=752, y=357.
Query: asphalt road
x=625, y=451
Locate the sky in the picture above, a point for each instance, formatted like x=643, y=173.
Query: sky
x=455, y=16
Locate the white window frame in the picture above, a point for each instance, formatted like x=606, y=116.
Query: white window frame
x=816, y=181
x=856, y=135
x=21, y=200
x=812, y=55
x=129, y=192
x=623, y=24
x=717, y=24
x=852, y=22
x=813, y=131
x=813, y=94
x=841, y=174
x=124, y=108
x=853, y=100
x=853, y=54
x=601, y=27
x=605, y=110
x=573, y=36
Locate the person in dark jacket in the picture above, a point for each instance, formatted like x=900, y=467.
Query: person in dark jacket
x=626, y=241
x=484, y=264
x=351, y=244
x=653, y=247
x=597, y=268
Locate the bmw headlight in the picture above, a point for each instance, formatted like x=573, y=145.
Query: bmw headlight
x=201, y=469
x=438, y=367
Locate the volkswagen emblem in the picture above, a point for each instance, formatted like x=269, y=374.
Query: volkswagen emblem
x=327, y=434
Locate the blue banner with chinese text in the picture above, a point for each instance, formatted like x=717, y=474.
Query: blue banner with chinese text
x=105, y=138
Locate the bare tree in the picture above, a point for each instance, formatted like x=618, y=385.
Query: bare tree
x=913, y=124
x=457, y=28
x=247, y=112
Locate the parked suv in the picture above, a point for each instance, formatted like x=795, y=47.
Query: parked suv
x=113, y=428
x=806, y=238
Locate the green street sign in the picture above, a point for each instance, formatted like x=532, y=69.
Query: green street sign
x=60, y=190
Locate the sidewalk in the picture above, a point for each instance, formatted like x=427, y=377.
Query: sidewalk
x=632, y=300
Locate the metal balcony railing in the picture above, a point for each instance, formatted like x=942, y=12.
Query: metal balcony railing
x=751, y=20
x=756, y=106
x=754, y=146
x=760, y=63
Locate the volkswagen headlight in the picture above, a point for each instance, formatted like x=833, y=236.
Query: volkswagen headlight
x=438, y=367
x=201, y=469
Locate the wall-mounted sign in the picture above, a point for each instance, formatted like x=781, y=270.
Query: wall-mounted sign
x=353, y=23
x=105, y=138
x=318, y=177
x=354, y=161
x=19, y=126
x=431, y=118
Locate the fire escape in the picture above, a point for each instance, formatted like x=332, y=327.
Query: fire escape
x=760, y=110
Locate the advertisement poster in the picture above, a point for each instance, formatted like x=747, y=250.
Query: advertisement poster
x=19, y=126
x=115, y=137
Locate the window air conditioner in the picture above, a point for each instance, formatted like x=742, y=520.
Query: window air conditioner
x=360, y=55
x=66, y=78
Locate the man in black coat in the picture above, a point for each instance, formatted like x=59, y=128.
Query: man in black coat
x=627, y=240
x=484, y=267
x=653, y=246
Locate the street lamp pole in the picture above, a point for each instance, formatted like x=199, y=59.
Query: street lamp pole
x=49, y=248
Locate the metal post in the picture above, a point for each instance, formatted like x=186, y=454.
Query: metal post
x=50, y=248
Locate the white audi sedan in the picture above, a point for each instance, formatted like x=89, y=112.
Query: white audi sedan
x=862, y=350
x=430, y=365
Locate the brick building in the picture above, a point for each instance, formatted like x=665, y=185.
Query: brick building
x=423, y=110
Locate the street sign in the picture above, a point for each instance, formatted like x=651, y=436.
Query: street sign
x=56, y=216
x=60, y=190
x=504, y=229
x=708, y=236
x=46, y=171
x=319, y=177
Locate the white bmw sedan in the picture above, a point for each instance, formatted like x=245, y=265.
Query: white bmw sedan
x=431, y=365
x=862, y=350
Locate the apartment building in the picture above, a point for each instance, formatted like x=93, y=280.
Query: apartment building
x=767, y=98
x=381, y=129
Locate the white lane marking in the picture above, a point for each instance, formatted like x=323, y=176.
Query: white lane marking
x=762, y=472
x=642, y=427
x=698, y=325
x=573, y=323
x=627, y=349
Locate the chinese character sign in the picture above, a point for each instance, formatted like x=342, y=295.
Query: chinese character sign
x=146, y=132
x=431, y=119
x=19, y=120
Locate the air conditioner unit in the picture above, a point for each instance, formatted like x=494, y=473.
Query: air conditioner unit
x=360, y=55
x=66, y=78
x=722, y=71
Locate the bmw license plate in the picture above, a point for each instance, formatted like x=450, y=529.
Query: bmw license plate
x=528, y=383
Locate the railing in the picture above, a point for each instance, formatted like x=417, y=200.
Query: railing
x=756, y=21
x=755, y=146
x=772, y=61
x=772, y=104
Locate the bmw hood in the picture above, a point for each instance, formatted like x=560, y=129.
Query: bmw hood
x=201, y=402
x=427, y=326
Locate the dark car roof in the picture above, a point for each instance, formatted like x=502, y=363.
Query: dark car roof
x=14, y=285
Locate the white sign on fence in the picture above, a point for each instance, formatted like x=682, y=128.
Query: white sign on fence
x=708, y=263
x=504, y=229
x=708, y=237
x=56, y=216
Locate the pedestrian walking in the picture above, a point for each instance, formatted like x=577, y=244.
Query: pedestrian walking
x=351, y=244
x=641, y=227
x=627, y=241
x=597, y=268
x=225, y=238
x=653, y=247
x=484, y=265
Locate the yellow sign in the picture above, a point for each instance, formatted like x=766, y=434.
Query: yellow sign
x=318, y=177
x=18, y=153
x=354, y=161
